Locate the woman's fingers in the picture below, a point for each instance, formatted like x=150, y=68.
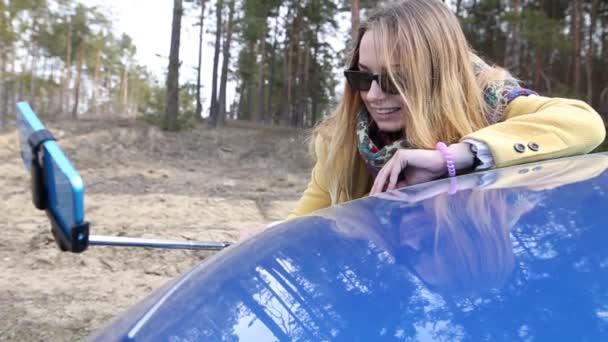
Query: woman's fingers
x=397, y=167
x=389, y=173
x=419, y=166
x=378, y=182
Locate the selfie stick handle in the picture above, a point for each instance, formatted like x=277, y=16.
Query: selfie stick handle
x=97, y=240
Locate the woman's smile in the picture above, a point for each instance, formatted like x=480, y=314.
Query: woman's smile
x=389, y=118
x=386, y=111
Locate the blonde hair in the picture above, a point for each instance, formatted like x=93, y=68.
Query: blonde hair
x=422, y=43
x=462, y=241
x=472, y=245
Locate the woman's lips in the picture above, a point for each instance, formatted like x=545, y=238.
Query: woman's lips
x=386, y=111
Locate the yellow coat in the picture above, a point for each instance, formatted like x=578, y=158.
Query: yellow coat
x=554, y=127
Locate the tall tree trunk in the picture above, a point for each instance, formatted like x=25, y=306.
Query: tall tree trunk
x=305, y=93
x=286, y=100
x=125, y=91
x=213, y=113
x=242, y=113
x=286, y=107
x=78, y=78
x=12, y=89
x=297, y=116
x=354, y=19
x=261, y=116
x=252, y=46
x=3, y=86
x=173, y=75
x=108, y=109
x=605, y=38
x=271, y=76
x=249, y=102
x=67, y=76
x=513, y=50
x=576, y=45
x=225, y=62
x=283, y=110
x=315, y=93
x=199, y=104
x=52, y=93
x=538, y=69
x=96, y=82
x=45, y=88
x=591, y=51
x=287, y=110
x=32, y=86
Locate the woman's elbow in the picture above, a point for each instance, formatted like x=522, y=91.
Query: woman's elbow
x=600, y=133
x=593, y=127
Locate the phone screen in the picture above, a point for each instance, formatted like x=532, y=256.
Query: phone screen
x=63, y=185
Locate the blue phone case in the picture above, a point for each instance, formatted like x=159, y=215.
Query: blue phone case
x=63, y=186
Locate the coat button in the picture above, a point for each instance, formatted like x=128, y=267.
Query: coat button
x=533, y=146
x=521, y=148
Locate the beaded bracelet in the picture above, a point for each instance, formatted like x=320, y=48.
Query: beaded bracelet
x=449, y=160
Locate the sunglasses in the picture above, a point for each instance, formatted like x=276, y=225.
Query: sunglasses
x=362, y=81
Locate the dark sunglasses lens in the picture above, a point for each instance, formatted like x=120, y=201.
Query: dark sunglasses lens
x=361, y=81
x=387, y=85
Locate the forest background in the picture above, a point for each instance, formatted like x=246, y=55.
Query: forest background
x=66, y=59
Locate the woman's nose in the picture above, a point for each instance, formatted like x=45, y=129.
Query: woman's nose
x=375, y=92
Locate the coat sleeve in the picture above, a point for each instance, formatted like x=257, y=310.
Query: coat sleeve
x=316, y=196
x=539, y=128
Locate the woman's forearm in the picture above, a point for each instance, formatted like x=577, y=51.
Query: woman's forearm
x=463, y=156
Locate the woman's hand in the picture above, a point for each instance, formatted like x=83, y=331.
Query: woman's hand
x=419, y=166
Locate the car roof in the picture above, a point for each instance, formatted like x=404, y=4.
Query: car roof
x=514, y=253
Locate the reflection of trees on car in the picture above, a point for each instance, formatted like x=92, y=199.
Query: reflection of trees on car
x=507, y=207
x=419, y=263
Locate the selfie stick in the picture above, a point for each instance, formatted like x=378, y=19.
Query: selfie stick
x=96, y=240
x=79, y=239
x=76, y=238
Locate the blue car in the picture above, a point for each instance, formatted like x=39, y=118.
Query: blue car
x=519, y=253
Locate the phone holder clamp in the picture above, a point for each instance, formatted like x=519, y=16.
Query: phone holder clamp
x=78, y=239
x=35, y=141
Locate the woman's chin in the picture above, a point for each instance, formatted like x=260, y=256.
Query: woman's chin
x=389, y=123
x=390, y=127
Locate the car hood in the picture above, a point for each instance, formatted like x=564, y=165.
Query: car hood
x=510, y=254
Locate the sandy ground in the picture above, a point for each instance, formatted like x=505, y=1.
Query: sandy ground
x=201, y=184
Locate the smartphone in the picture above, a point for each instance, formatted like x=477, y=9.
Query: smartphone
x=57, y=187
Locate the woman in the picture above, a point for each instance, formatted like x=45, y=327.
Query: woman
x=420, y=105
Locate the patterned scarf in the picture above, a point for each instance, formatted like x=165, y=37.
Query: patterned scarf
x=377, y=147
x=367, y=132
